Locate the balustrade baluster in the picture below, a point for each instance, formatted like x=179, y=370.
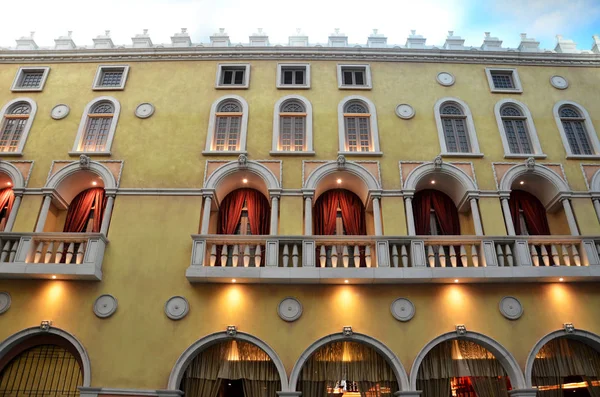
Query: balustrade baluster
x=286, y=255
x=247, y=255
x=475, y=255
x=5, y=251
x=224, y=254
x=404, y=254
x=565, y=255
x=213, y=254
x=442, y=256
x=323, y=256
x=368, y=258
x=509, y=255
x=257, y=256
x=80, y=252
x=395, y=255
x=452, y=256
x=576, y=258
x=295, y=255
x=534, y=255
x=235, y=255
x=38, y=252
x=59, y=252
x=500, y=255
x=555, y=256
x=545, y=257
x=356, y=256
x=463, y=256
x=345, y=256
x=49, y=252
x=70, y=252
x=431, y=256
x=13, y=251
x=334, y=256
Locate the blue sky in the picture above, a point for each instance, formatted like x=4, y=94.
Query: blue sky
x=542, y=19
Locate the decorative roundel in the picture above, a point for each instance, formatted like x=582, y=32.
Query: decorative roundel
x=4, y=302
x=144, y=110
x=290, y=309
x=402, y=309
x=105, y=306
x=405, y=111
x=177, y=307
x=511, y=308
x=59, y=111
x=446, y=79
x=559, y=82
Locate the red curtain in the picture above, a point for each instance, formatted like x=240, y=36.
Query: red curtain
x=7, y=198
x=533, y=212
x=230, y=211
x=325, y=213
x=353, y=214
x=258, y=212
x=445, y=211
x=80, y=209
x=231, y=207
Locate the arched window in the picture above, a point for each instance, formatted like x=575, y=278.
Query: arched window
x=528, y=214
x=574, y=126
x=97, y=127
x=357, y=127
x=515, y=128
x=86, y=211
x=292, y=126
x=17, y=117
x=455, y=127
x=7, y=198
x=227, y=126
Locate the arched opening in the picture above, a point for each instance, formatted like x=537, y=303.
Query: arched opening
x=528, y=214
x=347, y=368
x=435, y=214
x=7, y=199
x=42, y=365
x=566, y=366
x=339, y=212
x=462, y=368
x=231, y=368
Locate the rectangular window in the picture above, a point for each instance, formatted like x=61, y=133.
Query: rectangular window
x=233, y=76
x=503, y=80
x=293, y=75
x=354, y=77
x=110, y=78
x=30, y=79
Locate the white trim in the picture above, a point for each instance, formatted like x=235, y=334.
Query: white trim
x=26, y=129
x=308, y=132
x=15, y=85
x=315, y=177
x=254, y=167
x=213, y=119
x=515, y=78
x=246, y=83
x=379, y=347
x=470, y=126
x=18, y=182
x=594, y=185
x=279, y=84
x=589, y=127
x=14, y=340
x=201, y=344
x=342, y=126
x=509, y=363
x=533, y=137
x=110, y=184
x=368, y=82
x=83, y=124
x=101, y=69
x=589, y=338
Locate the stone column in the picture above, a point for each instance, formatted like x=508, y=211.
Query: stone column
x=510, y=228
x=206, y=214
x=476, y=217
x=596, y=206
x=308, y=216
x=410, y=218
x=43, y=213
x=377, y=216
x=570, y=217
x=107, y=214
x=274, y=214
x=13, y=213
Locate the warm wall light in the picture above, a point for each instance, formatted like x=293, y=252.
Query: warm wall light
x=94, y=183
x=9, y=183
x=245, y=180
x=233, y=280
x=456, y=280
x=561, y=279
x=522, y=182
x=346, y=281
x=433, y=182
x=53, y=277
x=339, y=181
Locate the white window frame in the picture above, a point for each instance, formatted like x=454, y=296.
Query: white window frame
x=473, y=142
x=83, y=125
x=515, y=78
x=281, y=66
x=368, y=82
x=212, y=121
x=373, y=124
x=246, y=83
x=308, y=137
x=101, y=69
x=589, y=127
x=25, y=133
x=533, y=136
x=21, y=73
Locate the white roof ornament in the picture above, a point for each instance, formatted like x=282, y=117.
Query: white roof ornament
x=27, y=42
x=298, y=40
x=565, y=46
x=181, y=39
x=376, y=40
x=65, y=42
x=142, y=40
x=103, y=42
x=528, y=44
x=491, y=43
x=259, y=39
x=454, y=42
x=338, y=39
x=220, y=39
x=415, y=40
x=596, y=46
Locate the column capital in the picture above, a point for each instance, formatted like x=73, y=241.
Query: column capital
x=308, y=193
x=523, y=393
x=274, y=193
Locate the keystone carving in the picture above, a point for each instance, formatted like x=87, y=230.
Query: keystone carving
x=84, y=162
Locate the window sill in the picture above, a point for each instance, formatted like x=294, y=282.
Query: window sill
x=583, y=157
x=78, y=153
x=11, y=154
x=292, y=87
x=223, y=152
x=362, y=154
x=524, y=156
x=355, y=87
x=232, y=87
x=25, y=89
x=290, y=153
x=469, y=155
x=108, y=88
x=511, y=91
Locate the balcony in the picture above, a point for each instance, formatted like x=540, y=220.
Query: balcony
x=66, y=256
x=387, y=259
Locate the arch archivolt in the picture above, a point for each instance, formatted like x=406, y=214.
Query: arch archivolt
x=16, y=177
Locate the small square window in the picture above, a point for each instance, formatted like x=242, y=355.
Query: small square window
x=503, y=80
x=354, y=77
x=110, y=78
x=30, y=79
x=293, y=75
x=233, y=76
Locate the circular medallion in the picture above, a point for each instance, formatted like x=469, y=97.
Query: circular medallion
x=105, y=306
x=290, y=309
x=402, y=309
x=446, y=79
x=177, y=307
x=4, y=302
x=59, y=112
x=559, y=82
x=144, y=110
x=405, y=111
x=511, y=308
